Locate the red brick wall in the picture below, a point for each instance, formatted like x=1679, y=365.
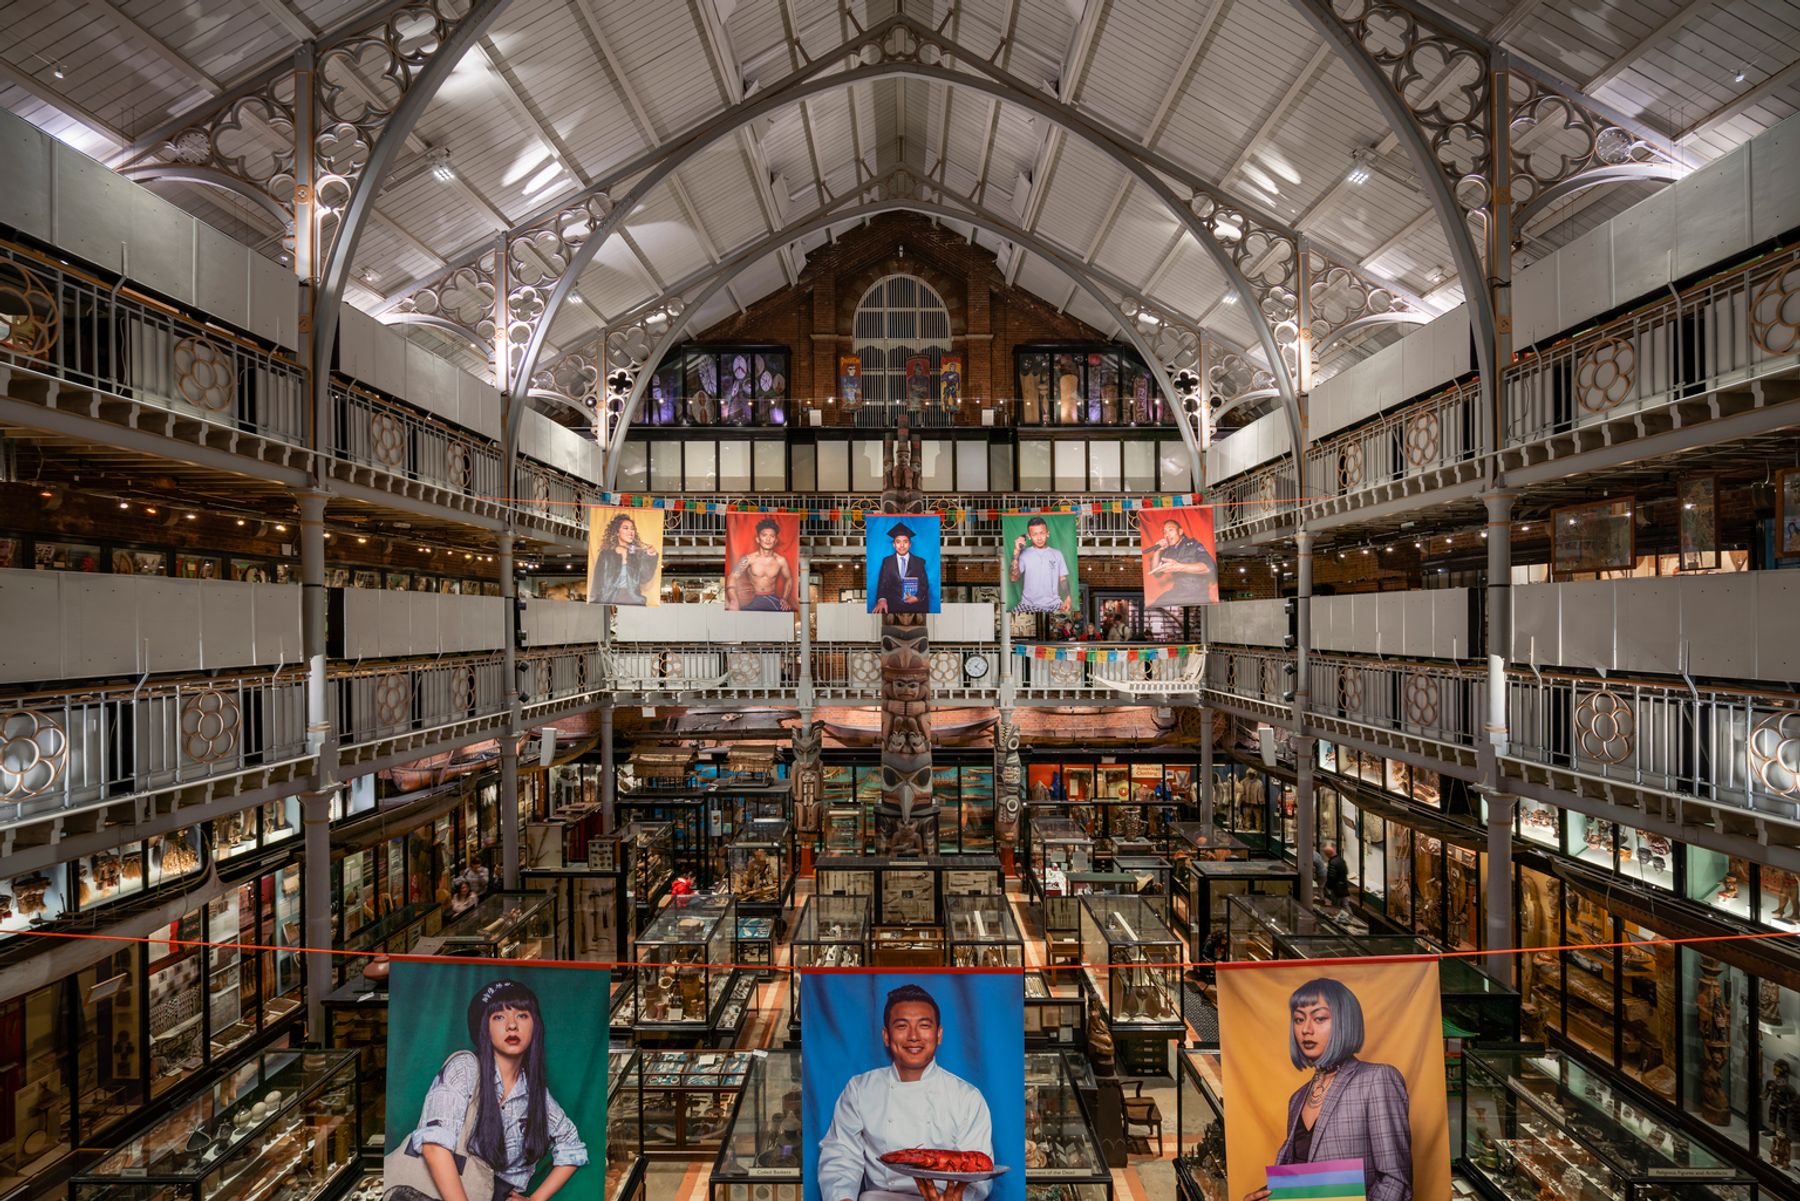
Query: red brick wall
x=987, y=318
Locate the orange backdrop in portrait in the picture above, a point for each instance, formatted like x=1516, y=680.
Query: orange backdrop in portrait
x=1361, y=1115
x=762, y=562
x=1181, y=564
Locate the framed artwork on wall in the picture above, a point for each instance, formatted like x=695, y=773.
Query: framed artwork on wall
x=1596, y=536
x=1699, y=496
x=1787, y=512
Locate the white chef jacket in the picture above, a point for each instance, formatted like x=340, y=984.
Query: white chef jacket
x=878, y=1112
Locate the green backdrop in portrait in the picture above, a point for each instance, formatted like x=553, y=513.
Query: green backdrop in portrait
x=428, y=1021
x=1035, y=588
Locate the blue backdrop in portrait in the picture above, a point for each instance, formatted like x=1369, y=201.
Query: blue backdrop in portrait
x=429, y=1008
x=896, y=584
x=984, y=1044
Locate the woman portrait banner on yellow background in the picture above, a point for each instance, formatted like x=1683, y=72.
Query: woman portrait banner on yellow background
x=1325, y=1062
x=624, y=556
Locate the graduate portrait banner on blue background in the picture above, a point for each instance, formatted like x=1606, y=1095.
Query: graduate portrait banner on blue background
x=904, y=1061
x=451, y=1025
x=903, y=564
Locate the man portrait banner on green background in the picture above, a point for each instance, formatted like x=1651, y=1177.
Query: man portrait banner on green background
x=1039, y=552
x=496, y=1082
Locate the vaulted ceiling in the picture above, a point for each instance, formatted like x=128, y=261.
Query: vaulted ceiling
x=560, y=94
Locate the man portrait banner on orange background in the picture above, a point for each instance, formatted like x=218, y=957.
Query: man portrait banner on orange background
x=1181, y=565
x=762, y=562
x=1333, y=1062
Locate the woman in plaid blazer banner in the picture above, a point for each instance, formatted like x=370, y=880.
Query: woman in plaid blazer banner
x=1349, y=1109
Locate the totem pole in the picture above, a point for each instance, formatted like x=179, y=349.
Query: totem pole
x=906, y=817
x=809, y=741
x=1009, y=797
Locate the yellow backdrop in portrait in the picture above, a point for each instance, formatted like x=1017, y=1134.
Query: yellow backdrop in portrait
x=625, y=556
x=1402, y=1025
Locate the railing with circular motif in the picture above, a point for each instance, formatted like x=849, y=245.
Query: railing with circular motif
x=1732, y=329
x=1437, y=432
x=58, y=323
x=1266, y=492
x=393, y=439
x=1733, y=747
x=61, y=750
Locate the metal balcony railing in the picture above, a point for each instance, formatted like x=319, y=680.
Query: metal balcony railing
x=61, y=324
x=1268, y=491
x=370, y=431
x=1050, y=677
x=1437, y=432
x=552, y=495
x=703, y=668
x=66, y=750
x=1731, y=747
x=1735, y=328
x=853, y=673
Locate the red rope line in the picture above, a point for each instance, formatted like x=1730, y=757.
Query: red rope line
x=590, y=965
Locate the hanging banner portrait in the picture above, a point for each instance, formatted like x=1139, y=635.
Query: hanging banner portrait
x=1181, y=565
x=624, y=556
x=950, y=379
x=912, y=1083
x=454, y=1026
x=902, y=563
x=850, y=380
x=1334, y=1081
x=918, y=379
x=762, y=562
x=1040, y=551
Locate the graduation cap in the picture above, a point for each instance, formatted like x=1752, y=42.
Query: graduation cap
x=901, y=529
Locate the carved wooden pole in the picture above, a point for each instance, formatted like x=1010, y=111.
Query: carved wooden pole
x=906, y=818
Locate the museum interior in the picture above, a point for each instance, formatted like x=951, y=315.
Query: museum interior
x=1460, y=340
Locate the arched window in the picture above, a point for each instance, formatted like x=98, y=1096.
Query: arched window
x=899, y=318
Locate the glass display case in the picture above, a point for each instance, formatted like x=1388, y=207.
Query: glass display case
x=1063, y=1161
x=760, y=1157
x=356, y=1020
x=832, y=931
x=1256, y=924
x=1195, y=840
x=1207, y=883
x=1200, y=1119
x=908, y=892
x=593, y=917
x=679, y=982
x=688, y=1098
x=1058, y=847
x=756, y=943
x=284, y=1127
x=625, y=1168
x=649, y=866
x=1055, y=1016
x=1131, y=961
x=1542, y=1125
x=759, y=865
x=1151, y=875
x=502, y=925
x=983, y=932
x=907, y=946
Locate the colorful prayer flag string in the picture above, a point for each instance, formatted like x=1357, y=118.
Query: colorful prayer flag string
x=1148, y=654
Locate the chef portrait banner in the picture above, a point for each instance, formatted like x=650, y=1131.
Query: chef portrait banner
x=1040, y=575
x=1356, y=1047
x=762, y=562
x=1181, y=565
x=850, y=380
x=624, y=556
x=451, y=1028
x=903, y=564
x=911, y=1077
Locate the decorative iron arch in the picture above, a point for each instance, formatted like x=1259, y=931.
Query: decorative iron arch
x=614, y=441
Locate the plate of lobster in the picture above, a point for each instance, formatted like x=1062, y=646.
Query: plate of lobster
x=924, y=1163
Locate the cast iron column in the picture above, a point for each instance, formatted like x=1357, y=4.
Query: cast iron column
x=1499, y=906
x=1307, y=818
x=509, y=733
x=1207, y=818
x=321, y=741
